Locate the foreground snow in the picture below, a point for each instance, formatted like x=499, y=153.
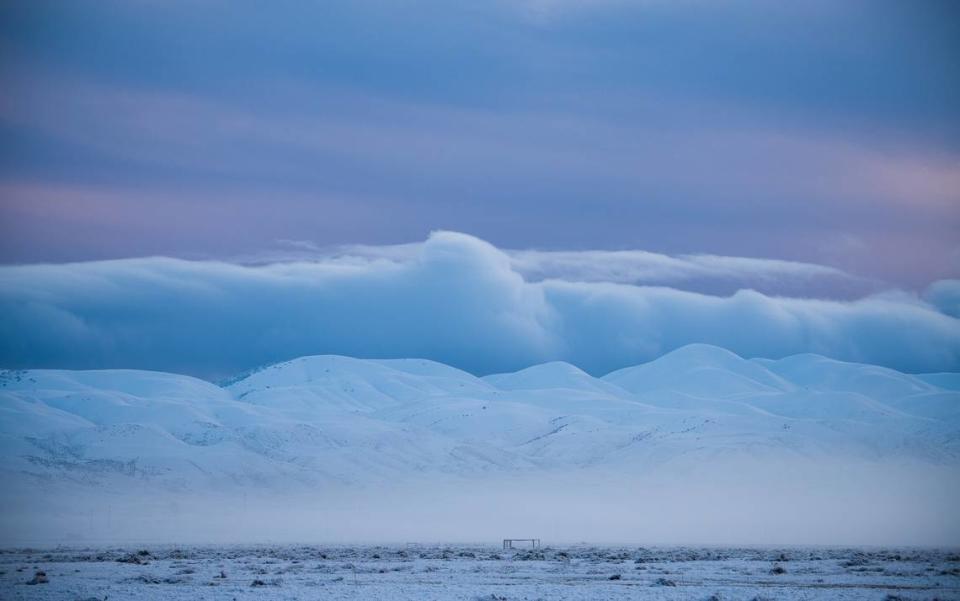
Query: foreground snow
x=423, y=572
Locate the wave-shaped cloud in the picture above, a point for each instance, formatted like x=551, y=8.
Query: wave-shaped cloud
x=712, y=274
x=456, y=299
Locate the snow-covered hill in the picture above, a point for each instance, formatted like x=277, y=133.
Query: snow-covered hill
x=332, y=423
x=337, y=419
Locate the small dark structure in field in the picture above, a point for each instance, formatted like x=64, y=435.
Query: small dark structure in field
x=39, y=578
x=534, y=542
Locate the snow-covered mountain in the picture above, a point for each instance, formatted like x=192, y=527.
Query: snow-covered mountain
x=699, y=445
x=321, y=420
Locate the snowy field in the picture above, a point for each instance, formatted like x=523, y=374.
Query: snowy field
x=423, y=572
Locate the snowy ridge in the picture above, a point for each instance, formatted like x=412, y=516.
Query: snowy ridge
x=324, y=420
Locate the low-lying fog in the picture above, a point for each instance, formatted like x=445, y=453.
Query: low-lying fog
x=749, y=503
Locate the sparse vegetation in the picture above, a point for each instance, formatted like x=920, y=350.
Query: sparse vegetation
x=565, y=573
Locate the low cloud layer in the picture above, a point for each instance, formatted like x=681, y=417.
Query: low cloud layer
x=455, y=299
x=695, y=272
x=945, y=295
x=843, y=503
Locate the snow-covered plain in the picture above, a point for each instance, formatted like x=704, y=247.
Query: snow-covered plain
x=481, y=573
x=699, y=446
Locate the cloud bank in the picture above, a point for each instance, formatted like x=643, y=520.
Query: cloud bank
x=945, y=296
x=697, y=272
x=454, y=299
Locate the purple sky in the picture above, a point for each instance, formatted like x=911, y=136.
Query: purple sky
x=822, y=132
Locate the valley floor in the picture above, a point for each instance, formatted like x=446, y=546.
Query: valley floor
x=461, y=572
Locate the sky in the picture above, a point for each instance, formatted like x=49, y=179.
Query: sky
x=823, y=132
x=795, y=165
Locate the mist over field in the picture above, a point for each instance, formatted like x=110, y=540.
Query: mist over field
x=740, y=504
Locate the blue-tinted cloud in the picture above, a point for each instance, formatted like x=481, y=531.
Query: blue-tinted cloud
x=697, y=273
x=458, y=300
x=945, y=295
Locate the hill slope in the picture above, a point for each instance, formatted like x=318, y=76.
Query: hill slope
x=330, y=419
